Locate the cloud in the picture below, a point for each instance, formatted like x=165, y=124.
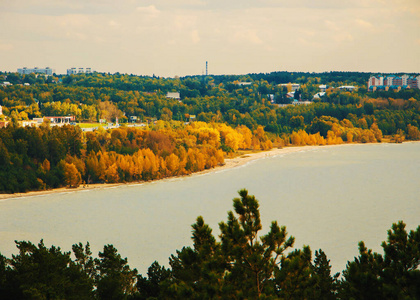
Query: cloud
x=6, y=47
x=150, y=10
x=220, y=29
x=364, y=24
x=185, y=21
x=195, y=37
x=331, y=25
x=344, y=37
x=74, y=21
x=114, y=24
x=308, y=32
x=248, y=36
x=73, y=35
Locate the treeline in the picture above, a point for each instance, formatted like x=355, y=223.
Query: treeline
x=33, y=158
x=212, y=99
x=39, y=158
x=242, y=264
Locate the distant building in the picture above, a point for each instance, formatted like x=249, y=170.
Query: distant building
x=373, y=81
x=290, y=95
x=413, y=82
x=27, y=71
x=28, y=124
x=1, y=110
x=319, y=95
x=244, y=83
x=173, y=95
x=296, y=102
x=397, y=81
x=71, y=71
x=38, y=120
x=294, y=86
x=74, y=71
x=393, y=82
x=60, y=120
x=323, y=87
x=349, y=88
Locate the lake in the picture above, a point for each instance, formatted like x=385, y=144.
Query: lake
x=329, y=198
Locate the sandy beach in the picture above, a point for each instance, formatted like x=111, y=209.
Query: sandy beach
x=229, y=163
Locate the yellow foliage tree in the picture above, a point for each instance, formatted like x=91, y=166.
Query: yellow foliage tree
x=376, y=132
x=172, y=164
x=111, y=174
x=413, y=132
x=72, y=175
x=46, y=165
x=246, y=137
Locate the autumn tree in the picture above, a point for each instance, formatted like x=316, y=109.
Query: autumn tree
x=172, y=164
x=413, y=133
x=72, y=175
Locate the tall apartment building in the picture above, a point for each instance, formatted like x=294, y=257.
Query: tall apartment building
x=393, y=82
x=412, y=81
x=397, y=81
x=71, y=71
x=74, y=71
x=26, y=71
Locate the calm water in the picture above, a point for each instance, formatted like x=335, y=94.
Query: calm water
x=329, y=198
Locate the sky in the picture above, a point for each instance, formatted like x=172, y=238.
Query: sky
x=176, y=37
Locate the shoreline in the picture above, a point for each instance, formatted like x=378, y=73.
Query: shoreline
x=229, y=163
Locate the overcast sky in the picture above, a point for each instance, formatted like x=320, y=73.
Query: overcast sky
x=177, y=37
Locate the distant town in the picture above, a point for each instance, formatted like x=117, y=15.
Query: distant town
x=284, y=91
x=49, y=71
x=393, y=82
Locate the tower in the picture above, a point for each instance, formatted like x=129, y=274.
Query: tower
x=207, y=70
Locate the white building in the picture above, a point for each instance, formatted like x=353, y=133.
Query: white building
x=71, y=71
x=74, y=71
x=376, y=81
x=244, y=83
x=27, y=71
x=294, y=86
x=323, y=87
x=173, y=95
x=349, y=88
x=405, y=79
x=295, y=102
x=380, y=82
x=319, y=95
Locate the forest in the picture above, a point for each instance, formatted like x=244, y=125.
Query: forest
x=37, y=158
x=216, y=117
x=90, y=97
x=242, y=263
